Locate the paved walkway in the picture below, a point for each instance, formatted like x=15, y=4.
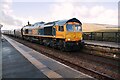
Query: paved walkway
x=103, y=43
x=49, y=67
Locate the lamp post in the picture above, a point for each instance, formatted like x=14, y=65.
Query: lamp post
x=0, y=53
x=0, y=29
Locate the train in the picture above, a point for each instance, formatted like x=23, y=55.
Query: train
x=62, y=34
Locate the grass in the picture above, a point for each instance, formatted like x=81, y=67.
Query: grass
x=108, y=30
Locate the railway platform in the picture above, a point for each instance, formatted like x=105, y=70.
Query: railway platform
x=14, y=65
x=20, y=61
x=102, y=43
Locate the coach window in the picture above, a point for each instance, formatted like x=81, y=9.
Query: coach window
x=61, y=28
x=26, y=31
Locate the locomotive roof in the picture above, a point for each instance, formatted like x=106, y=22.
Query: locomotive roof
x=62, y=22
x=59, y=22
x=35, y=25
x=50, y=23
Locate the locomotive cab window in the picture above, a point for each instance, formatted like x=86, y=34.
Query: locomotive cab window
x=78, y=27
x=61, y=28
x=70, y=27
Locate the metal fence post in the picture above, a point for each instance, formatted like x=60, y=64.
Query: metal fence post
x=94, y=36
x=91, y=36
x=116, y=39
x=102, y=36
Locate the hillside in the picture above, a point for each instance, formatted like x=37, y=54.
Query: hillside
x=90, y=27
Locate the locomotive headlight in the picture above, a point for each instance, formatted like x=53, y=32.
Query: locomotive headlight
x=81, y=38
x=68, y=39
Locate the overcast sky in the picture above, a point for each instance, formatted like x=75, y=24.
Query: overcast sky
x=16, y=13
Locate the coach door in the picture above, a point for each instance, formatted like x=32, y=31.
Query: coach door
x=54, y=31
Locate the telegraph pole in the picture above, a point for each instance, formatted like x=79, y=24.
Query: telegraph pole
x=0, y=29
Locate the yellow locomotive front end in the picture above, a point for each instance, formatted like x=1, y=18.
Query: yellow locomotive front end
x=69, y=34
x=73, y=32
x=73, y=36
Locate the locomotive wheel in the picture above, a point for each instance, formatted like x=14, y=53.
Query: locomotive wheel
x=61, y=45
x=62, y=48
x=30, y=39
x=40, y=41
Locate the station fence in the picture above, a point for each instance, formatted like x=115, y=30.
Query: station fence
x=102, y=36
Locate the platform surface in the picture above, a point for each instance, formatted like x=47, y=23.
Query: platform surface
x=42, y=66
x=14, y=65
x=103, y=43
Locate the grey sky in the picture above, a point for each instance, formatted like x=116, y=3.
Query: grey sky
x=18, y=12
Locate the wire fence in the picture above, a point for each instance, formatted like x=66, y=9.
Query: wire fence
x=102, y=36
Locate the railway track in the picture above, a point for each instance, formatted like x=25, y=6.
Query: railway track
x=93, y=73
x=105, y=61
x=107, y=52
x=71, y=59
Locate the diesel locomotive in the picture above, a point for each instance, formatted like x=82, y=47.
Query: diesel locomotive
x=62, y=34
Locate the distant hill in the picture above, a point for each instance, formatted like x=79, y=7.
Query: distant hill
x=108, y=30
x=92, y=27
